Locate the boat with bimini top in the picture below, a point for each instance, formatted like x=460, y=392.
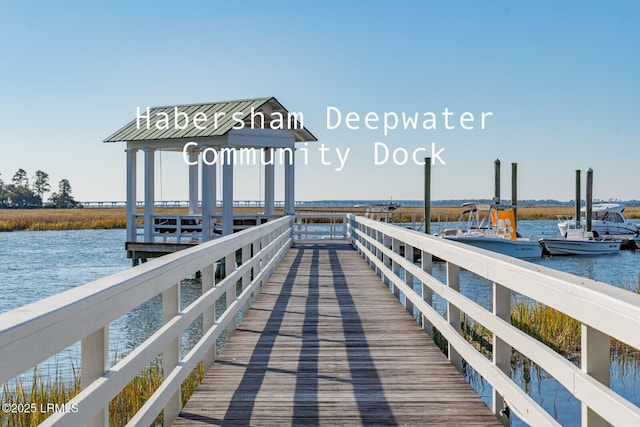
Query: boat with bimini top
x=492, y=227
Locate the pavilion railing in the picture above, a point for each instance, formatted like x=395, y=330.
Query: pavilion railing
x=190, y=228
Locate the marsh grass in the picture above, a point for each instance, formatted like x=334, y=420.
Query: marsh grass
x=451, y=213
x=112, y=218
x=59, y=389
x=43, y=390
x=549, y=326
x=61, y=219
x=78, y=219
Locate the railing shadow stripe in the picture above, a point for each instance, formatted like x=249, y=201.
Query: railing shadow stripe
x=243, y=401
x=367, y=387
x=305, y=403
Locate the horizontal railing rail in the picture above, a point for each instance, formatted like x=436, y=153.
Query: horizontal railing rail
x=33, y=333
x=603, y=310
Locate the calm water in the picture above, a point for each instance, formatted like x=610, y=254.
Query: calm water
x=34, y=265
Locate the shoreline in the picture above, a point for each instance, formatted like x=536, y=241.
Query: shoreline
x=115, y=218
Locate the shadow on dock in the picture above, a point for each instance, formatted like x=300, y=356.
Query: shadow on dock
x=326, y=343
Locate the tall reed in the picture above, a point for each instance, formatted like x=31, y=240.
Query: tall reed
x=58, y=390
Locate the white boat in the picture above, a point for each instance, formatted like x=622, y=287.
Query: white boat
x=578, y=241
x=492, y=227
x=607, y=220
x=379, y=211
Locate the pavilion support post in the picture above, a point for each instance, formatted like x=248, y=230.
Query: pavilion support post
x=227, y=194
x=131, y=194
x=269, y=181
x=289, y=181
x=193, y=183
x=208, y=199
x=149, y=194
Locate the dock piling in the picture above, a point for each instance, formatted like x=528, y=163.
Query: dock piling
x=514, y=191
x=496, y=197
x=577, y=198
x=427, y=195
x=589, y=198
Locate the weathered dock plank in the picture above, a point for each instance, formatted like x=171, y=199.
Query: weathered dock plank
x=326, y=343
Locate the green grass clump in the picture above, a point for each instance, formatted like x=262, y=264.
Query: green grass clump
x=547, y=325
x=42, y=391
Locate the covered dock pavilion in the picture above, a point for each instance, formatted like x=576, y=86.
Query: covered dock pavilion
x=207, y=135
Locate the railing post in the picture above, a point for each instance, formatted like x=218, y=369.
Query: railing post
x=95, y=362
x=171, y=355
x=367, y=245
x=427, y=293
x=209, y=316
x=256, y=267
x=246, y=277
x=501, y=350
x=408, y=277
x=378, y=253
x=395, y=266
x=386, y=241
x=264, y=241
x=229, y=267
x=594, y=355
x=453, y=312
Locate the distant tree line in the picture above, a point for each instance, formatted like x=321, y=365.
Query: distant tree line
x=21, y=194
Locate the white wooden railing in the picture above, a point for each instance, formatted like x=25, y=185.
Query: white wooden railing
x=604, y=311
x=33, y=333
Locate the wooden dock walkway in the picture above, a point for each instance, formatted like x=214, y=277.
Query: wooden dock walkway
x=326, y=343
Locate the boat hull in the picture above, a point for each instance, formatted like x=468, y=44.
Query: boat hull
x=521, y=248
x=580, y=247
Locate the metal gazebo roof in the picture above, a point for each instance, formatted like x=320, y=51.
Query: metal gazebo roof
x=234, y=111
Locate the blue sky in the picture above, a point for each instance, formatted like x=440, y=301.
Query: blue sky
x=560, y=78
